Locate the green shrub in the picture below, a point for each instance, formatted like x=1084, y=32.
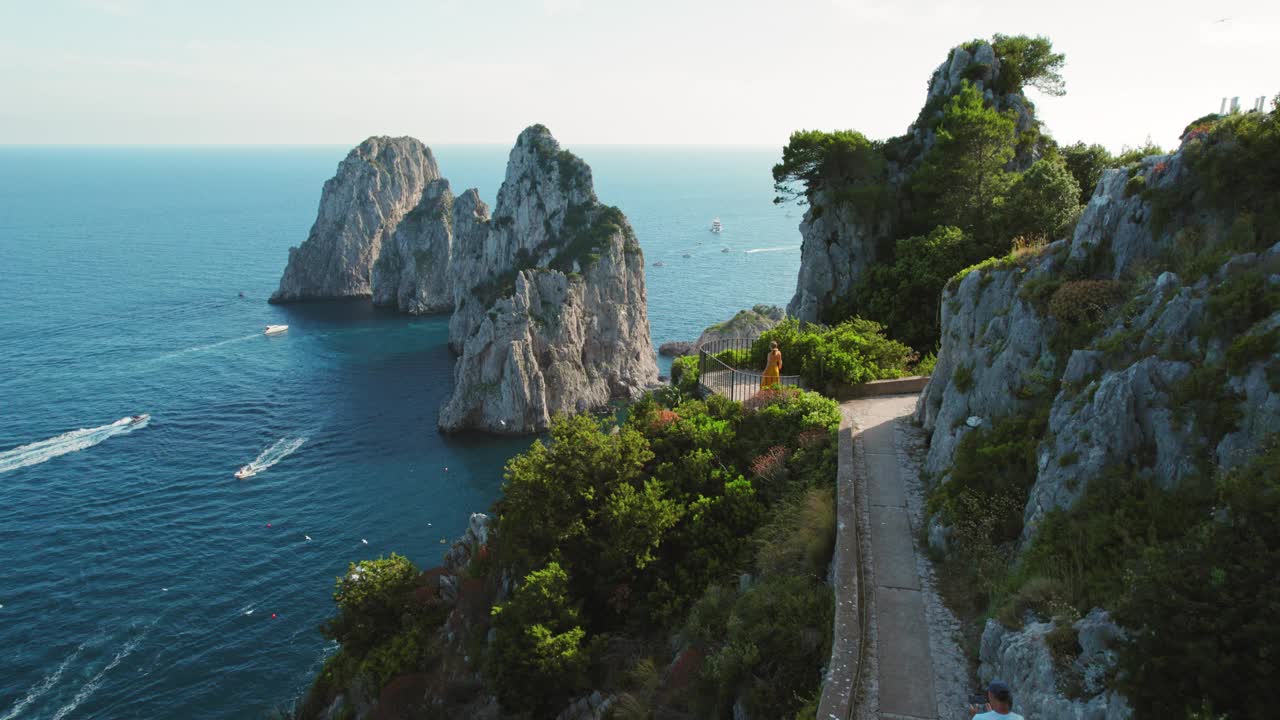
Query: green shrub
x=776, y=642
x=1085, y=301
x=993, y=466
x=1248, y=349
x=962, y=378
x=684, y=374
x=1043, y=201
x=1128, y=156
x=1201, y=609
x=1090, y=548
x=371, y=599
x=801, y=537
x=1086, y=163
x=1135, y=184
x=540, y=655
x=855, y=351
x=926, y=365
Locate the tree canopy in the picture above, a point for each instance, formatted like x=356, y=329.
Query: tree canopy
x=1029, y=62
x=845, y=159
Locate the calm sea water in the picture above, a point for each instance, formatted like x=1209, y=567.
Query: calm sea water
x=140, y=579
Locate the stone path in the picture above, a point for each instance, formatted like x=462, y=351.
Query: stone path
x=905, y=666
x=890, y=592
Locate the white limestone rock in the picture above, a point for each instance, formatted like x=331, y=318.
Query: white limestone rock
x=361, y=206
x=1021, y=658
x=556, y=319
x=414, y=271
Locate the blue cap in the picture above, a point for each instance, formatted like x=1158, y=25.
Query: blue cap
x=999, y=689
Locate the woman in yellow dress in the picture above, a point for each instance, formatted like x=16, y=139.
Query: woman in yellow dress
x=773, y=369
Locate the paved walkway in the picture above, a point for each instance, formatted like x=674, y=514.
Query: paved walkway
x=904, y=667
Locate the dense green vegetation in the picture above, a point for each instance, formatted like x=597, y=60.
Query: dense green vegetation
x=854, y=351
x=625, y=538
x=968, y=196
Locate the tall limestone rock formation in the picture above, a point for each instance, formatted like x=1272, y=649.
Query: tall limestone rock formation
x=841, y=240
x=556, y=320
x=361, y=207
x=549, y=312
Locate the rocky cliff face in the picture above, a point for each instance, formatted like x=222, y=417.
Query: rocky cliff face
x=1138, y=341
x=557, y=319
x=413, y=272
x=1113, y=400
x=1022, y=659
x=361, y=207
x=839, y=240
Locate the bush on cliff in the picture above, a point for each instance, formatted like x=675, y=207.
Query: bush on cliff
x=1201, y=610
x=539, y=656
x=619, y=531
x=1086, y=163
x=371, y=599
x=854, y=351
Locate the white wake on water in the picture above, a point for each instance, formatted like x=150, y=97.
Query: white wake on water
x=771, y=249
x=68, y=442
x=208, y=346
x=39, y=689
x=279, y=450
x=92, y=686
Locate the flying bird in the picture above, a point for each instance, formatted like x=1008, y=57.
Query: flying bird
x=308, y=537
x=366, y=542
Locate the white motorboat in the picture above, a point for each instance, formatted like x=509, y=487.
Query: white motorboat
x=716, y=226
x=244, y=472
x=276, y=330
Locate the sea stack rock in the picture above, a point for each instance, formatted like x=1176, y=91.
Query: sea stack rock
x=555, y=318
x=378, y=183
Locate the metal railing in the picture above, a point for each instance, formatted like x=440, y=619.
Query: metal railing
x=719, y=369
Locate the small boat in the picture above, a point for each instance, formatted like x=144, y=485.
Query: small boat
x=716, y=226
x=276, y=330
x=138, y=419
x=244, y=472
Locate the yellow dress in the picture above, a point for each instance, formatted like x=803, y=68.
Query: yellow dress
x=772, y=370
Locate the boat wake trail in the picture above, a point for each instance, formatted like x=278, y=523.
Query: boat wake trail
x=772, y=249
x=39, y=689
x=92, y=686
x=67, y=442
x=279, y=450
x=208, y=346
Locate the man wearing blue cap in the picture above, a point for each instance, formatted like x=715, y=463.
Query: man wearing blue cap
x=999, y=704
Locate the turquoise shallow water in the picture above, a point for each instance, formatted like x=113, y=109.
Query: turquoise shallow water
x=140, y=578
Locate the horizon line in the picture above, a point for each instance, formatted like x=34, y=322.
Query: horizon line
x=5, y=145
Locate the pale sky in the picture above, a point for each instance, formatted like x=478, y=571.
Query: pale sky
x=652, y=72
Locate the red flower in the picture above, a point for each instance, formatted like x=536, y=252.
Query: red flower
x=771, y=463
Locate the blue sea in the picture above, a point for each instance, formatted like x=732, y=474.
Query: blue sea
x=140, y=579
